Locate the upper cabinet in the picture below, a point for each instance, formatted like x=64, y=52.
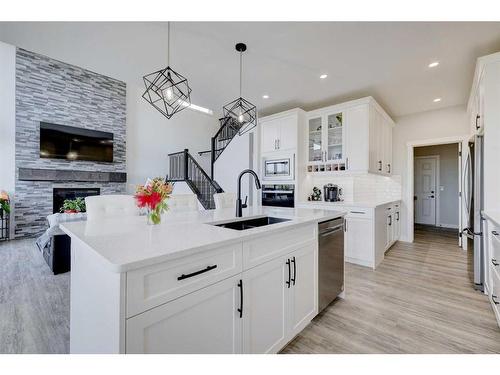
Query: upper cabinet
x=279, y=132
x=350, y=137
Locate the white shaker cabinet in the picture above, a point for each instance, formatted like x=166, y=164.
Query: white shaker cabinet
x=280, y=299
x=185, y=324
x=358, y=246
x=279, y=132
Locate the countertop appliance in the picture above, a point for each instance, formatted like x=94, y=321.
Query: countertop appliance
x=473, y=202
x=331, y=193
x=278, y=169
x=331, y=261
x=282, y=195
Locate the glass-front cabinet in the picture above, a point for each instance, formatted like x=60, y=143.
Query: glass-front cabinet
x=326, y=142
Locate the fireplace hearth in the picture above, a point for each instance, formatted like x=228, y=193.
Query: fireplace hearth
x=61, y=194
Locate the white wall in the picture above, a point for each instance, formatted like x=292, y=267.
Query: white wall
x=151, y=137
x=7, y=119
x=447, y=191
x=425, y=126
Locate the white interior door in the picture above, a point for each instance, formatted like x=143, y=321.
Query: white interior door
x=425, y=190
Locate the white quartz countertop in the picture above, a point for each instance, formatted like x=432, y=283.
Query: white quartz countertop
x=493, y=216
x=129, y=243
x=340, y=205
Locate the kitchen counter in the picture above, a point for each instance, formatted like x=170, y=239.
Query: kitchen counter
x=340, y=205
x=129, y=243
x=186, y=286
x=493, y=216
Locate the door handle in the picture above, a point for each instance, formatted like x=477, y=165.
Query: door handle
x=240, y=310
x=289, y=273
x=294, y=271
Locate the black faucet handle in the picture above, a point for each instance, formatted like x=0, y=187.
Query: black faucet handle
x=245, y=205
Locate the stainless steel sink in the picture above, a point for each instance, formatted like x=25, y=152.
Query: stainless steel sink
x=251, y=223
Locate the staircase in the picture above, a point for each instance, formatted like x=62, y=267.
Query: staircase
x=183, y=167
x=228, y=130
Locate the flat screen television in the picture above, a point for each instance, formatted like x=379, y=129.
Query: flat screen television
x=70, y=143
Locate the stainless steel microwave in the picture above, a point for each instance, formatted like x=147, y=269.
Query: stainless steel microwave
x=279, y=169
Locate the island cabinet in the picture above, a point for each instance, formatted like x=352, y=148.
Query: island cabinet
x=247, y=297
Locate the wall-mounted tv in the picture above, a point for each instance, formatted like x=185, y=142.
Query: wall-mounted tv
x=70, y=143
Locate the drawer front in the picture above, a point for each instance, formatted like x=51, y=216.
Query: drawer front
x=495, y=250
x=359, y=212
x=272, y=246
x=152, y=286
x=495, y=294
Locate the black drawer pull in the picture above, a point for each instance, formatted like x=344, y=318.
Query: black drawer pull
x=209, y=268
x=240, y=310
x=358, y=212
x=289, y=273
x=294, y=271
x=494, y=299
x=494, y=261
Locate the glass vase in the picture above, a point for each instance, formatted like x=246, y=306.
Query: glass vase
x=154, y=216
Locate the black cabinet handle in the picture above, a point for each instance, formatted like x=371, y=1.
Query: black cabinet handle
x=240, y=310
x=477, y=118
x=494, y=232
x=494, y=262
x=388, y=168
x=494, y=299
x=380, y=165
x=390, y=220
x=289, y=273
x=209, y=268
x=294, y=270
x=397, y=216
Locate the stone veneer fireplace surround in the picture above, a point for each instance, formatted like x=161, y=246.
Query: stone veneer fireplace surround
x=52, y=91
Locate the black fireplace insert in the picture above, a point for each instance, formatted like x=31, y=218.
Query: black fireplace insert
x=61, y=194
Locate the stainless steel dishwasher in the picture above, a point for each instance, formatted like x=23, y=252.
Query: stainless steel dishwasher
x=331, y=261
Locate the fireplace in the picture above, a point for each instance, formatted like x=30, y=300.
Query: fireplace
x=59, y=195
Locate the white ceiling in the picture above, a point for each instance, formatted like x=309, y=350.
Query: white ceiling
x=284, y=59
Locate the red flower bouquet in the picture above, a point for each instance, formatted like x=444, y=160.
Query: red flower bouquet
x=153, y=196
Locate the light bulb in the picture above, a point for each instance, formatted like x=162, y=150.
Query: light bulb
x=241, y=118
x=169, y=93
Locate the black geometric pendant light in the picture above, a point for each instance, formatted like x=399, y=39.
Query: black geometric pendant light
x=167, y=90
x=241, y=110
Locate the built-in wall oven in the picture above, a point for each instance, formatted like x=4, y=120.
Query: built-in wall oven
x=281, y=195
x=278, y=169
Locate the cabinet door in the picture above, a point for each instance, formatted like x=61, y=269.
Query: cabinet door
x=304, y=289
x=265, y=307
x=287, y=138
x=315, y=139
x=270, y=135
x=373, y=152
x=390, y=230
x=334, y=137
x=358, y=241
x=205, y=321
x=356, y=139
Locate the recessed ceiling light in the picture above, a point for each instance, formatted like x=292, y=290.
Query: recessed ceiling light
x=265, y=96
x=323, y=76
x=433, y=64
x=437, y=100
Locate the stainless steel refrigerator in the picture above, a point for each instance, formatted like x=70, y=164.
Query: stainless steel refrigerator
x=473, y=204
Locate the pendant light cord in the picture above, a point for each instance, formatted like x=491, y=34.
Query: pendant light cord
x=168, y=43
x=241, y=64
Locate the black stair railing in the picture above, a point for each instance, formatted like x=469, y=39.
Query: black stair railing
x=183, y=167
x=228, y=130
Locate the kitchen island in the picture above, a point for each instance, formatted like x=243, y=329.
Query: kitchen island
x=190, y=285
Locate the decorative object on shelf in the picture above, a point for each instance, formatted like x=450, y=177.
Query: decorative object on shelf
x=153, y=196
x=241, y=109
x=73, y=206
x=315, y=196
x=167, y=90
x=4, y=215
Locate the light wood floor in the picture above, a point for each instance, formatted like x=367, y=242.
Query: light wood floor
x=419, y=300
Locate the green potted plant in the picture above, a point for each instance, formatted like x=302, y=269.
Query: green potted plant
x=73, y=206
x=4, y=203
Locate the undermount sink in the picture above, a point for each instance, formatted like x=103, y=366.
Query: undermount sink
x=251, y=223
